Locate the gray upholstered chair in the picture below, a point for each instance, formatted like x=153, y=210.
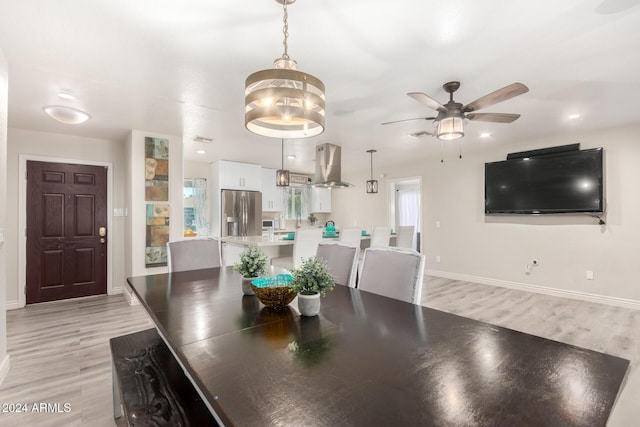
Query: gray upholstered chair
x=342, y=261
x=380, y=237
x=305, y=245
x=193, y=254
x=351, y=235
x=393, y=272
x=404, y=238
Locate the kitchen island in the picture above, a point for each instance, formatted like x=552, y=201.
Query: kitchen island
x=273, y=248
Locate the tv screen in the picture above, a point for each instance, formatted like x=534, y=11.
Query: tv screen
x=567, y=182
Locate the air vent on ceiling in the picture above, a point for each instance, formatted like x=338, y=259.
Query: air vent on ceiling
x=202, y=139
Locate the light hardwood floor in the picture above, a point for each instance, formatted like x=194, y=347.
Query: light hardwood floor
x=60, y=351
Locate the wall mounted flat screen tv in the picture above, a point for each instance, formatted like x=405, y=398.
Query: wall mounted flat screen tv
x=567, y=182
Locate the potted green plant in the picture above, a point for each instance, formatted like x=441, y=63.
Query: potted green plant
x=312, y=219
x=311, y=280
x=253, y=263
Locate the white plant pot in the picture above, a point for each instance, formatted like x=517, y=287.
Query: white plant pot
x=309, y=305
x=246, y=285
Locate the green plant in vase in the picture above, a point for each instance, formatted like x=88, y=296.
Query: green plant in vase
x=253, y=263
x=312, y=219
x=311, y=280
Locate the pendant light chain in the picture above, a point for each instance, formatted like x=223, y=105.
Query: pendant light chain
x=285, y=32
x=372, y=165
x=282, y=154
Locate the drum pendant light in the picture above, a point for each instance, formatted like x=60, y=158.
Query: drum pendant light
x=283, y=102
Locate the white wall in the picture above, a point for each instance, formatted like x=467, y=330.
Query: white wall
x=496, y=249
x=64, y=147
x=4, y=83
x=196, y=169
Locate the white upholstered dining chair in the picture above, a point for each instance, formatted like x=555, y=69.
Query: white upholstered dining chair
x=404, y=238
x=193, y=254
x=393, y=272
x=342, y=261
x=351, y=235
x=305, y=245
x=380, y=237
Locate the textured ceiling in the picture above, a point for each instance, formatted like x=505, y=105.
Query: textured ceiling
x=178, y=67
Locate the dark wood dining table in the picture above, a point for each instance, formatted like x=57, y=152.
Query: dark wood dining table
x=368, y=360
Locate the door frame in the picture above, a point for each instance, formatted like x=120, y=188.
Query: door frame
x=22, y=218
x=391, y=203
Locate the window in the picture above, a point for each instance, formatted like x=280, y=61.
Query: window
x=296, y=201
x=196, y=210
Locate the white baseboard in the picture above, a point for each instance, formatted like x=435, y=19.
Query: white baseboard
x=131, y=299
x=582, y=296
x=4, y=368
x=12, y=305
x=116, y=291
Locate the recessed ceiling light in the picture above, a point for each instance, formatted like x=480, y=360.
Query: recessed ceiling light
x=201, y=152
x=291, y=156
x=66, y=95
x=574, y=116
x=485, y=135
x=67, y=115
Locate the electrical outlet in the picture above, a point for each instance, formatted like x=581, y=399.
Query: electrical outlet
x=589, y=275
x=437, y=258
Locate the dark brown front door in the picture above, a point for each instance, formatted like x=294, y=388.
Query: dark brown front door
x=66, y=211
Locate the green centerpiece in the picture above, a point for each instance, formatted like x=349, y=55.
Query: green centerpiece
x=253, y=263
x=311, y=280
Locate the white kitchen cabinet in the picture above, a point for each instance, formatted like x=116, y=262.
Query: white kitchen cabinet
x=321, y=200
x=239, y=176
x=271, y=193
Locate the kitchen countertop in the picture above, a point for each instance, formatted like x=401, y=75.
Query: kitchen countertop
x=278, y=241
x=255, y=240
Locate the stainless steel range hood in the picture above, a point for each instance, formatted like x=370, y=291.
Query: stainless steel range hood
x=328, y=165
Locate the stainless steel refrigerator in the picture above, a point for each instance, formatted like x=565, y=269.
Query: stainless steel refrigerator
x=241, y=213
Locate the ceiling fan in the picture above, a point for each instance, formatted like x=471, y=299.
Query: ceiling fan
x=449, y=121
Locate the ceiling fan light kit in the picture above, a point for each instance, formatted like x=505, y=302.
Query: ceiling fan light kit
x=451, y=116
x=283, y=102
x=450, y=128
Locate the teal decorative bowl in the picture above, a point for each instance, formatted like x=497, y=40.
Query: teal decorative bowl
x=274, y=291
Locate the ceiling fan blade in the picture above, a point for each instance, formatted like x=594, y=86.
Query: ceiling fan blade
x=408, y=120
x=427, y=100
x=499, y=95
x=493, y=117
